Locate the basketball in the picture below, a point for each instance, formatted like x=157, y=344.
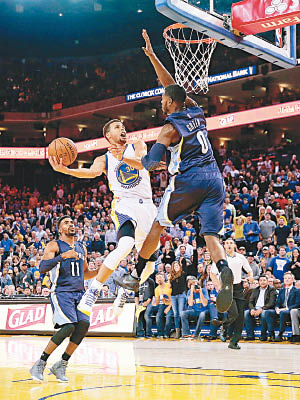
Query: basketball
x=63, y=148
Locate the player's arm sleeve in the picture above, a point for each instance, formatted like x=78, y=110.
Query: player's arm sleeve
x=50, y=260
x=152, y=160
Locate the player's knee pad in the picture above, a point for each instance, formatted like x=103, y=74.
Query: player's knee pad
x=147, y=271
x=124, y=247
x=80, y=332
x=64, y=332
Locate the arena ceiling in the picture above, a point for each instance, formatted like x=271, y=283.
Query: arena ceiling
x=76, y=27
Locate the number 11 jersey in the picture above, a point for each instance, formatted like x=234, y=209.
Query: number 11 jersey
x=68, y=275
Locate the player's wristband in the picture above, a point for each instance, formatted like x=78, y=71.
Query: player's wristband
x=47, y=265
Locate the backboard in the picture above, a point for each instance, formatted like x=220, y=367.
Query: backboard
x=209, y=17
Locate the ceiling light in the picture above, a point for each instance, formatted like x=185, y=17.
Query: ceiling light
x=139, y=10
x=60, y=14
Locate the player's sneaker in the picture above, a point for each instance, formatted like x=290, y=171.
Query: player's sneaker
x=120, y=301
x=88, y=300
x=225, y=295
x=129, y=282
x=59, y=370
x=37, y=370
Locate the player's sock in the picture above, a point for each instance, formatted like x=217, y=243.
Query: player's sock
x=45, y=356
x=147, y=271
x=221, y=264
x=96, y=285
x=139, y=267
x=66, y=356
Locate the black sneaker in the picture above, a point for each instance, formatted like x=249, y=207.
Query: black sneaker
x=128, y=282
x=216, y=322
x=225, y=295
x=234, y=346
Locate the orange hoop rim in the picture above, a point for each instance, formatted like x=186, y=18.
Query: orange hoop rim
x=209, y=40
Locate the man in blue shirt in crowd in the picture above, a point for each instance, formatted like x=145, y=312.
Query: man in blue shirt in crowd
x=197, y=299
x=251, y=232
x=6, y=243
x=279, y=264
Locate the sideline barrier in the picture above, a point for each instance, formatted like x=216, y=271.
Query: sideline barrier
x=34, y=316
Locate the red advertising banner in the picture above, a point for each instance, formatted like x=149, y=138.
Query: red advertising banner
x=256, y=16
x=24, y=317
x=285, y=110
x=102, y=315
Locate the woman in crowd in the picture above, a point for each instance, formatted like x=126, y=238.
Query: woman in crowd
x=178, y=297
x=294, y=265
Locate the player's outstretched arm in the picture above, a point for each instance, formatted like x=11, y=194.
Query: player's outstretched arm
x=96, y=169
x=162, y=73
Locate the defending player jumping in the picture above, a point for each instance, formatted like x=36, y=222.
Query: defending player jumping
x=133, y=210
x=65, y=259
x=196, y=184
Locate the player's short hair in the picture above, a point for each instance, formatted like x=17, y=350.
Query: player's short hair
x=60, y=220
x=176, y=93
x=106, y=127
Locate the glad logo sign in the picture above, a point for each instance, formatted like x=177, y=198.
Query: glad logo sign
x=27, y=316
x=102, y=315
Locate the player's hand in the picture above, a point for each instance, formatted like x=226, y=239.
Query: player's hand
x=117, y=151
x=148, y=49
x=57, y=166
x=70, y=254
x=162, y=166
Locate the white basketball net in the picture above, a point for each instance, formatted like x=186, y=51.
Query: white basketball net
x=191, y=52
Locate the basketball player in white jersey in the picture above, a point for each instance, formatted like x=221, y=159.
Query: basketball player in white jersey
x=133, y=211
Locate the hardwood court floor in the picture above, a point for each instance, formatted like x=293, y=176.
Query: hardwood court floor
x=141, y=369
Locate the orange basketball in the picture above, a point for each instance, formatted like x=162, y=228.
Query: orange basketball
x=63, y=148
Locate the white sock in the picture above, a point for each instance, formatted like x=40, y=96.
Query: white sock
x=96, y=284
x=147, y=271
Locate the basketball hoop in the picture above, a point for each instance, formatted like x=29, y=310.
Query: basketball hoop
x=191, y=52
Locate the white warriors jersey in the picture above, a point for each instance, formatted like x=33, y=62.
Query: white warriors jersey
x=126, y=181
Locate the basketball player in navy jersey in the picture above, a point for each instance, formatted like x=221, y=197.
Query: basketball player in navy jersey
x=65, y=260
x=196, y=184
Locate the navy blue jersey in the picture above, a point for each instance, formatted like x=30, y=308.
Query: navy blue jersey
x=68, y=275
x=194, y=148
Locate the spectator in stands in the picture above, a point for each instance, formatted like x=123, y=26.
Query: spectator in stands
x=111, y=236
x=267, y=229
x=253, y=264
x=5, y=279
x=24, y=276
x=188, y=248
x=251, y=232
x=162, y=308
x=6, y=243
x=143, y=301
x=212, y=309
x=290, y=248
x=197, y=306
x=279, y=264
x=178, y=297
x=294, y=265
x=105, y=292
x=287, y=300
x=282, y=232
x=261, y=306
x=98, y=244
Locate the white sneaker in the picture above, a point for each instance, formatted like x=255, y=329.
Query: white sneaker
x=88, y=300
x=120, y=301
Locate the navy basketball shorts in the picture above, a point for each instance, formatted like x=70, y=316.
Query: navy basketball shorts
x=198, y=190
x=64, y=307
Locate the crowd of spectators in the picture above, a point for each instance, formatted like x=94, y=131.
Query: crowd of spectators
x=261, y=213
x=35, y=85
